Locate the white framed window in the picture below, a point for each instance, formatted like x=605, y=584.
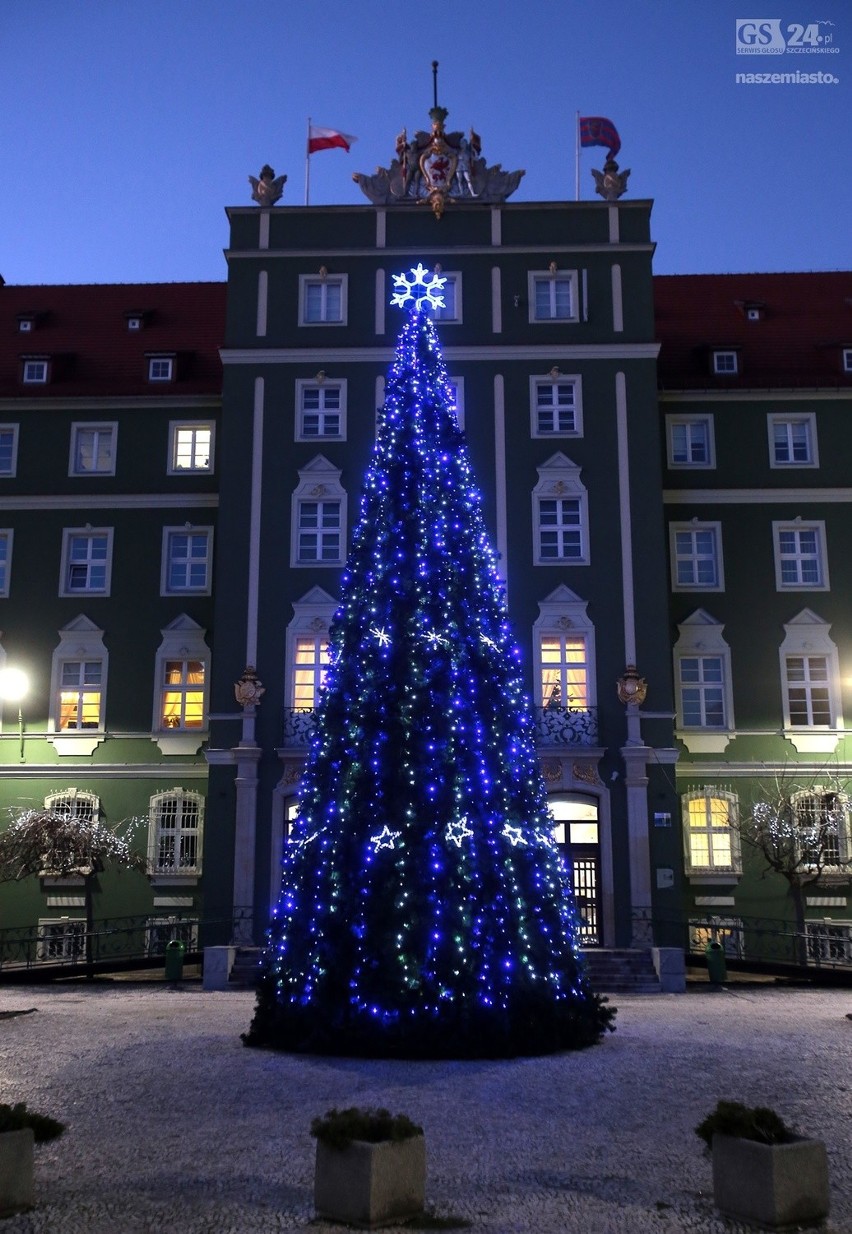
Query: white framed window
x=6, y=538
x=78, y=688
x=792, y=440
x=726, y=931
x=320, y=409
x=26, y=323
x=307, y=650
x=822, y=826
x=696, y=556
x=36, y=371
x=74, y=803
x=704, y=697
x=552, y=295
x=181, y=687
x=86, y=561
x=61, y=939
x=93, y=449
x=556, y=406
x=456, y=385
x=309, y=667
x=160, y=931
x=323, y=299
x=190, y=446
x=560, y=514
x=318, y=516
x=161, y=368
x=565, y=688
x=80, y=694
x=175, y=831
x=451, y=311
x=8, y=449
x=710, y=831
x=810, y=683
x=564, y=669
x=847, y=359
x=187, y=556
x=725, y=363
x=690, y=441
x=800, y=557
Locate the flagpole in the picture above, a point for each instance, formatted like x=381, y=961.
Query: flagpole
x=577, y=158
x=308, y=163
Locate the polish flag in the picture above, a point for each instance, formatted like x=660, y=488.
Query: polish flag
x=328, y=139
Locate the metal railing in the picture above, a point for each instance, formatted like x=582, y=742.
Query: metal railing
x=555, y=726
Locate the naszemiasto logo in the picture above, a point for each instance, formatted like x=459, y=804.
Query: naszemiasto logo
x=770, y=36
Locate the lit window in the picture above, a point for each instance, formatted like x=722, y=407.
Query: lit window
x=800, y=562
x=556, y=406
x=553, y=297
x=80, y=694
x=695, y=557
x=322, y=300
x=182, y=694
x=725, y=363
x=87, y=558
x=5, y=560
x=161, y=368
x=174, y=833
x=191, y=447
x=309, y=669
x=711, y=838
x=690, y=441
x=792, y=441
x=8, y=449
x=321, y=410
x=564, y=671
x=186, y=559
x=702, y=691
x=93, y=449
x=36, y=372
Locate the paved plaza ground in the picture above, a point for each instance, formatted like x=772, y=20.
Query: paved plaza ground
x=174, y=1126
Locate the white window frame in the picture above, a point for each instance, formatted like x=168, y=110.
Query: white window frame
x=800, y=558
x=81, y=642
x=68, y=932
x=13, y=430
x=700, y=637
x=160, y=870
x=689, y=422
x=847, y=359
x=161, y=368
x=325, y=280
x=167, y=587
x=70, y=536
x=319, y=482
x=844, y=841
x=75, y=803
x=695, y=556
x=535, y=277
x=183, y=640
x=712, y=870
x=36, y=371
x=789, y=420
x=312, y=617
x=449, y=315
x=808, y=637
x=320, y=384
x=107, y=428
x=559, y=480
x=457, y=390
x=193, y=427
x=552, y=381
x=726, y=362
x=7, y=537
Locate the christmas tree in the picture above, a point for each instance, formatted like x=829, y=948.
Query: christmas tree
x=425, y=910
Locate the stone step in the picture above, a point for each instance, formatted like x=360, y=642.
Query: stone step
x=245, y=971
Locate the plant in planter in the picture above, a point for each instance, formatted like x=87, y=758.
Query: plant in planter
x=762, y=1170
x=19, y=1129
x=370, y=1167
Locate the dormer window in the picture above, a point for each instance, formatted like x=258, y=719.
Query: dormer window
x=35, y=370
x=725, y=363
x=161, y=368
x=752, y=310
x=26, y=322
x=847, y=359
x=135, y=319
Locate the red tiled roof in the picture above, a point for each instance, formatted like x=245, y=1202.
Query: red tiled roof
x=805, y=322
x=83, y=328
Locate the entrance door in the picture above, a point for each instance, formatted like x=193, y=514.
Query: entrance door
x=577, y=832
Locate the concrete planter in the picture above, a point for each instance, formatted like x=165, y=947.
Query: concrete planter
x=16, y=1171
x=775, y=1185
x=371, y=1184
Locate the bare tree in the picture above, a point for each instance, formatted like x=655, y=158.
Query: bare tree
x=57, y=843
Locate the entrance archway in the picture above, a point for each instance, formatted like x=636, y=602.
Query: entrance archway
x=577, y=832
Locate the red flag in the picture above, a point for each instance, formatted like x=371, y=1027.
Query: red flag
x=328, y=139
x=598, y=131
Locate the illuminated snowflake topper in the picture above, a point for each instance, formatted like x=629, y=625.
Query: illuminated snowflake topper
x=418, y=290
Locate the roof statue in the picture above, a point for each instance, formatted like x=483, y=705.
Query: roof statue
x=438, y=167
x=268, y=188
x=610, y=183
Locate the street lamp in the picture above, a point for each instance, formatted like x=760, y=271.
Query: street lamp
x=14, y=684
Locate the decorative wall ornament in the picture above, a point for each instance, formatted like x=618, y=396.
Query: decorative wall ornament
x=631, y=687
x=586, y=773
x=267, y=190
x=249, y=690
x=610, y=183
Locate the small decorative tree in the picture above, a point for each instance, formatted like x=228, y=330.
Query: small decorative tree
x=60, y=844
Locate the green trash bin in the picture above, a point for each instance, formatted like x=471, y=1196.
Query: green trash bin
x=174, y=959
x=717, y=969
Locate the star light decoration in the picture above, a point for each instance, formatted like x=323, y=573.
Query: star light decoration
x=457, y=831
x=514, y=834
x=418, y=289
x=385, y=838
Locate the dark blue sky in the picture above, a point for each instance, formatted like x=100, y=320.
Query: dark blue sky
x=126, y=126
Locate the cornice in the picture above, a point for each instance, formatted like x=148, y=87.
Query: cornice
x=755, y=496
x=499, y=351
x=111, y=501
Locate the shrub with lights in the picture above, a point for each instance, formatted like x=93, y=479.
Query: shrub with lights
x=425, y=910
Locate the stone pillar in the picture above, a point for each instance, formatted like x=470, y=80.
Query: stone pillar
x=248, y=691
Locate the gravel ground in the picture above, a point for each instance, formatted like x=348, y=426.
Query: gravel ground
x=174, y=1126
